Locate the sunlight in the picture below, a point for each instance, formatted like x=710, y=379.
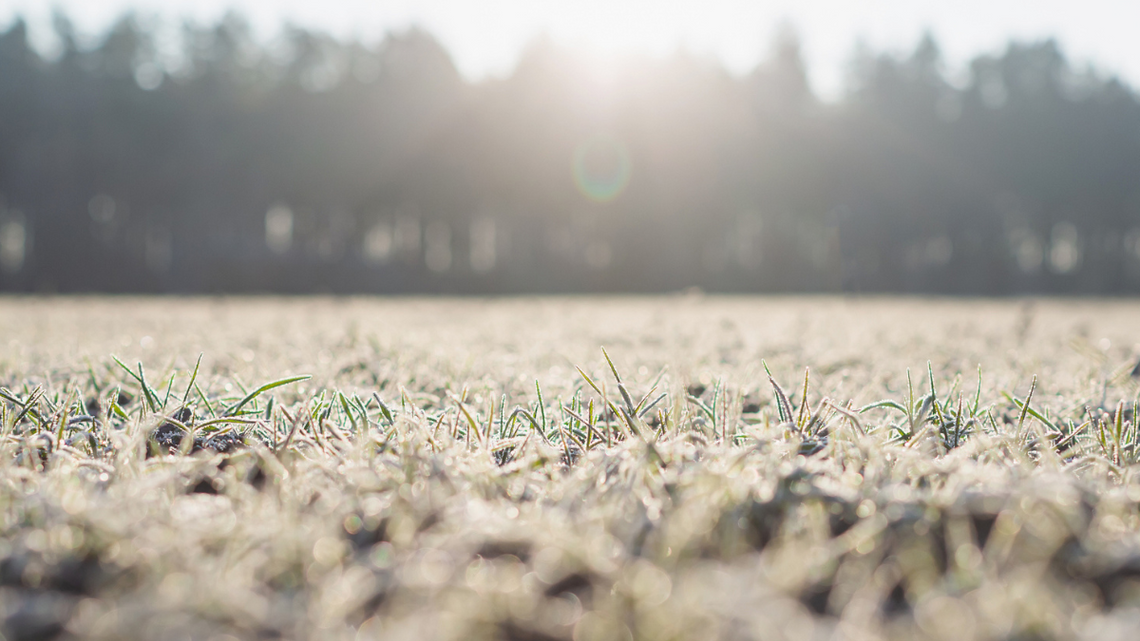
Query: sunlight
x=615, y=29
x=737, y=33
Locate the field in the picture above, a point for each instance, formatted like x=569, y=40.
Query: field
x=727, y=468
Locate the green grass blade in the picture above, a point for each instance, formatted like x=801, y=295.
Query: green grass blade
x=645, y=410
x=626, y=398
x=193, y=379
x=978, y=393
x=169, y=387
x=783, y=405
x=887, y=404
x=236, y=407
x=541, y=405
x=910, y=400
x=801, y=420
x=1025, y=407
x=611, y=364
x=590, y=381
x=701, y=406
x=148, y=393
x=205, y=401
x=387, y=413
x=29, y=406
x=1022, y=407
x=340, y=397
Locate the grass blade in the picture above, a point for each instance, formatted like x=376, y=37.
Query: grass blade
x=800, y=420
x=621, y=386
x=1025, y=407
x=150, y=395
x=193, y=379
x=383, y=408
x=783, y=405
x=236, y=407
x=886, y=403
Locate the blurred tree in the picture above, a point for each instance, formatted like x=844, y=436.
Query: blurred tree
x=310, y=164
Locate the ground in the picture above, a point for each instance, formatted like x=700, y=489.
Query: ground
x=445, y=471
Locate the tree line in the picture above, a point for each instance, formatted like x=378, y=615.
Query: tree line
x=312, y=164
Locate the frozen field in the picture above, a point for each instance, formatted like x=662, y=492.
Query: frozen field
x=446, y=472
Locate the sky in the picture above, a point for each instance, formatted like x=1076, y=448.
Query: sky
x=485, y=37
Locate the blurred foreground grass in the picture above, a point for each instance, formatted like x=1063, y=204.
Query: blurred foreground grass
x=447, y=473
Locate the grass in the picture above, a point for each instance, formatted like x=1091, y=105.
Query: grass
x=724, y=468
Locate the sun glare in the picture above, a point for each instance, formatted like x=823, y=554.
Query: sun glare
x=601, y=168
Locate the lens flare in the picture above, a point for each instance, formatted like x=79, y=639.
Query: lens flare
x=601, y=168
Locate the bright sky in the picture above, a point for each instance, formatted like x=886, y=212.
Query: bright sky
x=486, y=36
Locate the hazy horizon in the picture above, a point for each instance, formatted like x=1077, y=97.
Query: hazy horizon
x=212, y=156
x=739, y=35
